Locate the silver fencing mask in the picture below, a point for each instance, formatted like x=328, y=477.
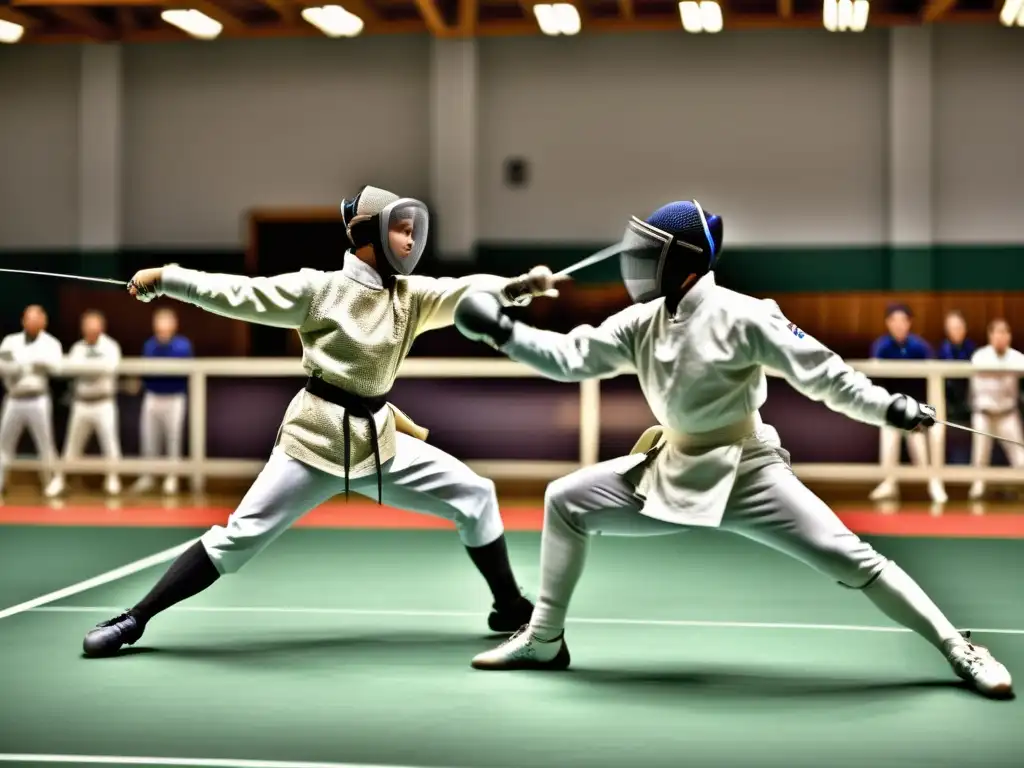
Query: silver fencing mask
x=396, y=227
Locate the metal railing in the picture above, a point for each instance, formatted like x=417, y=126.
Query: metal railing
x=199, y=467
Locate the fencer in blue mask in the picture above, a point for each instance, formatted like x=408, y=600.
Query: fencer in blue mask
x=700, y=351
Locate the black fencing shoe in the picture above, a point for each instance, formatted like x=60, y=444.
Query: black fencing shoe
x=107, y=638
x=506, y=619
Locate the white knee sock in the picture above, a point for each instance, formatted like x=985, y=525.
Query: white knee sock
x=563, y=553
x=901, y=599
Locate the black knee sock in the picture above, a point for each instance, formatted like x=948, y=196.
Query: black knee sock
x=492, y=561
x=189, y=575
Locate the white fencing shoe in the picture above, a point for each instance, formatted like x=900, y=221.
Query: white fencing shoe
x=525, y=651
x=976, y=664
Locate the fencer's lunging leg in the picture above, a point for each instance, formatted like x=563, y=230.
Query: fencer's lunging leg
x=597, y=499
x=771, y=506
x=283, y=492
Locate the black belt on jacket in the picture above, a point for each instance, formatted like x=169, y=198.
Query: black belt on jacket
x=360, y=408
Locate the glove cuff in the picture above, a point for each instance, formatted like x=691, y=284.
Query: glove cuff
x=517, y=291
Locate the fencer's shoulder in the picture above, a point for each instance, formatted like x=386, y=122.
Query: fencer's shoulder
x=420, y=283
x=743, y=306
x=317, y=277
x=638, y=314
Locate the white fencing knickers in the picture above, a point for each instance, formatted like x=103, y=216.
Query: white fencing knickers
x=420, y=478
x=34, y=413
x=162, y=425
x=1005, y=425
x=768, y=505
x=99, y=416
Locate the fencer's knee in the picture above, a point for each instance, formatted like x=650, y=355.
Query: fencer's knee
x=481, y=498
x=557, y=495
x=859, y=567
x=476, y=512
x=560, y=501
x=230, y=547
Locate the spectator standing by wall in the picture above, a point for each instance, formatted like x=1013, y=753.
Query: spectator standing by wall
x=27, y=360
x=162, y=425
x=957, y=347
x=94, y=403
x=900, y=344
x=995, y=399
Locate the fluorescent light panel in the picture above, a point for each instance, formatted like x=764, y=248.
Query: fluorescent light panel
x=334, y=21
x=1012, y=13
x=558, y=19
x=194, y=23
x=10, y=32
x=845, y=15
x=704, y=16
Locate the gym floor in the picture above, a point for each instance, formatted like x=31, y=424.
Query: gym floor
x=347, y=643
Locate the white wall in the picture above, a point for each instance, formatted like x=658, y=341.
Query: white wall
x=784, y=133
x=38, y=146
x=979, y=135
x=212, y=130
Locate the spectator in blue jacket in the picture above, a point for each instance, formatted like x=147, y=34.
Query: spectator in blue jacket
x=957, y=346
x=162, y=423
x=900, y=344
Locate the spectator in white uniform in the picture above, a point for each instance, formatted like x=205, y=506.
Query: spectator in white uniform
x=93, y=362
x=27, y=360
x=995, y=401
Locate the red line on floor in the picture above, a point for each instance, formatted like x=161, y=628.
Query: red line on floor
x=953, y=523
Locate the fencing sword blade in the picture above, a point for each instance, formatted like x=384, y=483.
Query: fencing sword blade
x=107, y=280
x=978, y=432
x=605, y=253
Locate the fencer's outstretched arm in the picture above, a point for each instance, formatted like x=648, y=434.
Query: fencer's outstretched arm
x=282, y=301
x=438, y=296
x=585, y=352
x=814, y=370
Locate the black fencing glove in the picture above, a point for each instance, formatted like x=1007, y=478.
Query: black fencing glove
x=479, y=316
x=906, y=413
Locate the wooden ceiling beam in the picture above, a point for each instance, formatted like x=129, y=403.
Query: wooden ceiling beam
x=469, y=17
x=735, y=21
x=521, y=27
x=269, y=32
x=126, y=19
x=936, y=9
x=784, y=8
x=626, y=10
x=361, y=9
x=82, y=20
x=89, y=3
x=432, y=17
x=287, y=10
x=17, y=17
